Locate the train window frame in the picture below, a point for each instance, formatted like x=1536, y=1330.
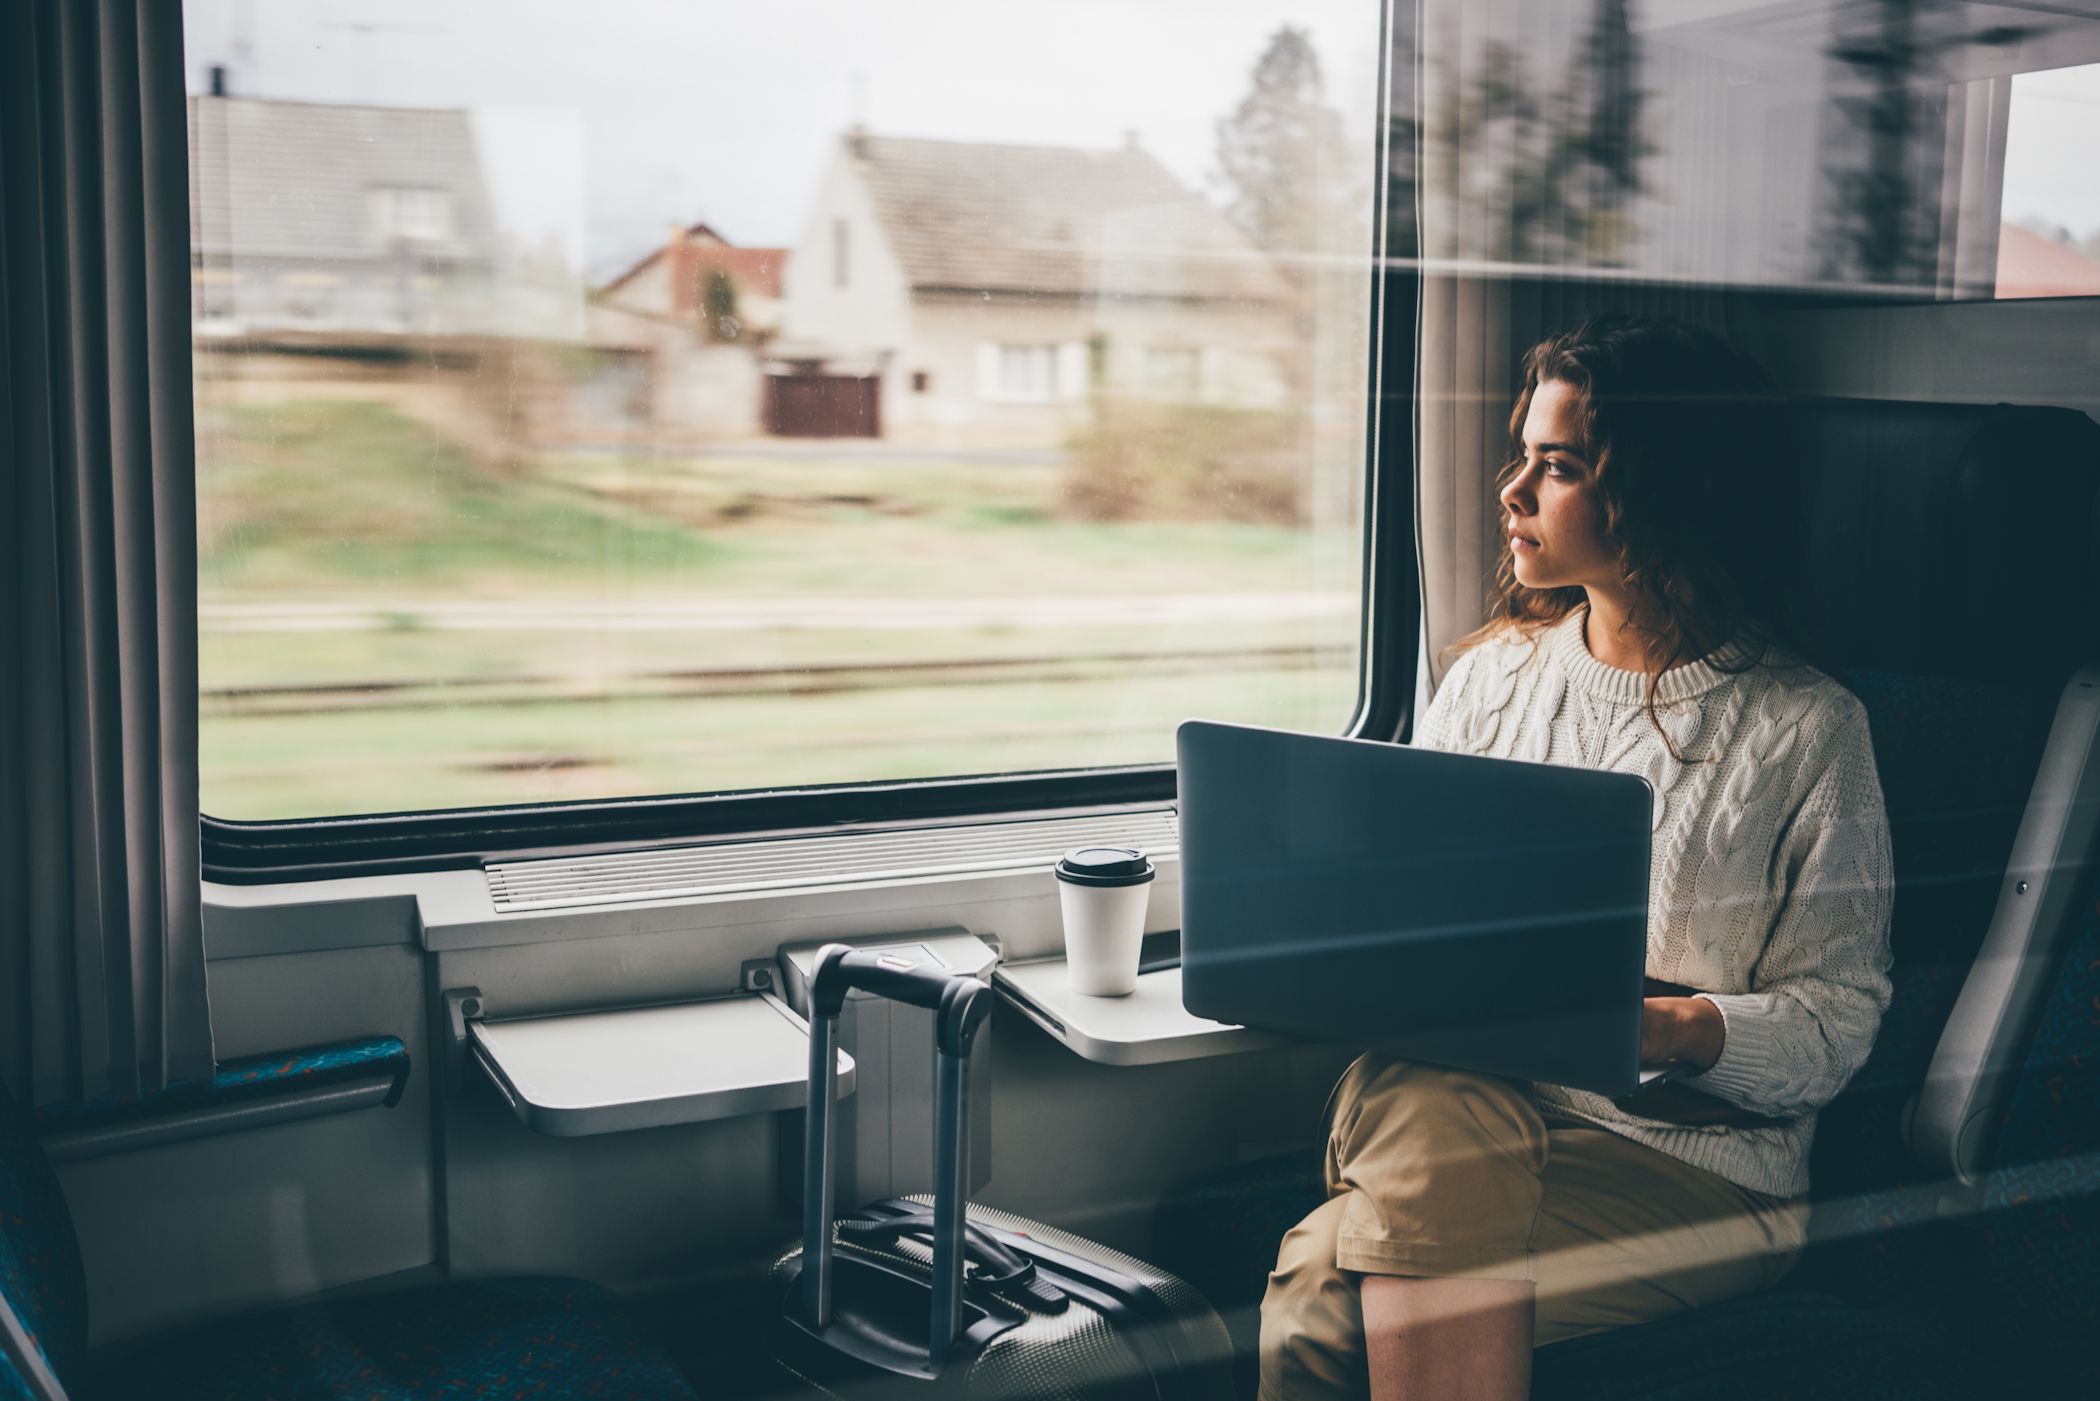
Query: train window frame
x=237, y=852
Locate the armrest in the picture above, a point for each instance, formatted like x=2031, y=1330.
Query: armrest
x=247, y=1093
x=1982, y=1048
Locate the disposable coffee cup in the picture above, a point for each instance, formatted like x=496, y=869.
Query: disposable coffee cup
x=1103, y=890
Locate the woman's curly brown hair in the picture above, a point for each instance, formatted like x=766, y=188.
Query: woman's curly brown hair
x=1694, y=470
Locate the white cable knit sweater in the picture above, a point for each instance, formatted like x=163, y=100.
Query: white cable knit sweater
x=1770, y=882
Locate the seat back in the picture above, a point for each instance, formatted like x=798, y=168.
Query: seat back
x=1982, y=1054
x=2035, y=1274
x=41, y=1280
x=1951, y=553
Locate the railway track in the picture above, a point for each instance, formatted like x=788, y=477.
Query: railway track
x=824, y=678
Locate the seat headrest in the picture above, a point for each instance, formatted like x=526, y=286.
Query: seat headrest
x=1950, y=540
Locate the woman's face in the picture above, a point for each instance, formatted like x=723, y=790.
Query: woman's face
x=1554, y=521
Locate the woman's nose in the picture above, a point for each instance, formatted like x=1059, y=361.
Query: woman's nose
x=1516, y=493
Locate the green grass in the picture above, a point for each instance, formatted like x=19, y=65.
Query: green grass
x=349, y=500
x=327, y=763
x=324, y=494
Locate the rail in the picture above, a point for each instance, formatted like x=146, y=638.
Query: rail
x=394, y=693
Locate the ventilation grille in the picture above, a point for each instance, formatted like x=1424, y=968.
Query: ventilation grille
x=790, y=863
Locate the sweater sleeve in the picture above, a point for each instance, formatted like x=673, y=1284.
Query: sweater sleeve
x=1821, y=985
x=1442, y=720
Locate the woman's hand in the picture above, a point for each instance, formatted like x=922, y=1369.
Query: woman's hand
x=1686, y=1029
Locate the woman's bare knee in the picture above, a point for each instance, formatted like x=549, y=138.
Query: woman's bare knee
x=1447, y=1337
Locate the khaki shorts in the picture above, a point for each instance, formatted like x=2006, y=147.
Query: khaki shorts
x=1440, y=1172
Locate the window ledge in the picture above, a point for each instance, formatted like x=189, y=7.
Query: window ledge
x=453, y=911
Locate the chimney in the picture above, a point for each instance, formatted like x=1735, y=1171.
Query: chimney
x=857, y=140
x=218, y=80
x=1131, y=140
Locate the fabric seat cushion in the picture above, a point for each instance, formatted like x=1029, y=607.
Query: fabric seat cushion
x=544, y=1338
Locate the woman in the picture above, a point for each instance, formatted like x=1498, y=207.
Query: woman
x=1638, y=625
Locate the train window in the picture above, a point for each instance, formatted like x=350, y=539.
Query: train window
x=550, y=449
x=2049, y=243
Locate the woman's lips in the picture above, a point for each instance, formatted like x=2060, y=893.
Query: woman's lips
x=1522, y=544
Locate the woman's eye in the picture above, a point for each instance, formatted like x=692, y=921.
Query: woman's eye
x=1557, y=468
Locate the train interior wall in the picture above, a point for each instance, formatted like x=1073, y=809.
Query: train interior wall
x=448, y=1180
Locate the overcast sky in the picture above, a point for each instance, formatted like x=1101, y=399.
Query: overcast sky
x=2050, y=141
x=602, y=121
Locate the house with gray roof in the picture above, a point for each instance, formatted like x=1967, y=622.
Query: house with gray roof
x=967, y=293
x=335, y=221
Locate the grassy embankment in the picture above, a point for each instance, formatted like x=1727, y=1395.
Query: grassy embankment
x=353, y=505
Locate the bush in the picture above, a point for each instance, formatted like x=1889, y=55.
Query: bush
x=1141, y=460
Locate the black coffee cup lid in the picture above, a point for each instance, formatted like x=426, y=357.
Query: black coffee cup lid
x=1105, y=865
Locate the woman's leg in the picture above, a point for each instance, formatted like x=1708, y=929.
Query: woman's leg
x=1430, y=1173
x=1449, y=1196
x=1312, y=1323
x=1628, y=1235
x=1448, y=1338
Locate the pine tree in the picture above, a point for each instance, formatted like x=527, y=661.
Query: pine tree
x=1281, y=149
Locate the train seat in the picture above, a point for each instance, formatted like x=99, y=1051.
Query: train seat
x=1950, y=561
x=543, y=1337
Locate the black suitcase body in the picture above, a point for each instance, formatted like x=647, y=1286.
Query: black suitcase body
x=930, y=1298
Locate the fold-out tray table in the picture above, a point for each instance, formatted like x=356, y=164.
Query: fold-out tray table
x=584, y=1073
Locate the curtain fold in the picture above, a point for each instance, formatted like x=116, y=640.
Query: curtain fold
x=102, y=981
x=1540, y=124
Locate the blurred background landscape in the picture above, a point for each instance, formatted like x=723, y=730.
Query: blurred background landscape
x=657, y=397
x=1001, y=446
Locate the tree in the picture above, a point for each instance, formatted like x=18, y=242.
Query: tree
x=1886, y=160
x=719, y=301
x=1540, y=154
x=1280, y=152
x=1611, y=144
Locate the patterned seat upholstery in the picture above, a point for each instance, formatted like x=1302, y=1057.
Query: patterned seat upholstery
x=41, y=1278
x=548, y=1339
x=1956, y=611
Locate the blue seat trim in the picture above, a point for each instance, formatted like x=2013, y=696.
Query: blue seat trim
x=247, y=1079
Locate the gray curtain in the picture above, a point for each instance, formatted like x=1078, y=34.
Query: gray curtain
x=101, y=948
x=1538, y=201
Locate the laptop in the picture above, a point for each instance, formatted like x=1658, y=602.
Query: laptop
x=1486, y=914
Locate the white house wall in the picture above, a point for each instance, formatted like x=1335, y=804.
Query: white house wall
x=865, y=319
x=697, y=390
x=1242, y=353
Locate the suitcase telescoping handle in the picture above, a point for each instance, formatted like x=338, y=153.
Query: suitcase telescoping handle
x=960, y=1004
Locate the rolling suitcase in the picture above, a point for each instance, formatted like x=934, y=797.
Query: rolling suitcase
x=933, y=1298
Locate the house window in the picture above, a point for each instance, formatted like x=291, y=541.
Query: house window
x=410, y=213
x=1027, y=372
x=921, y=381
